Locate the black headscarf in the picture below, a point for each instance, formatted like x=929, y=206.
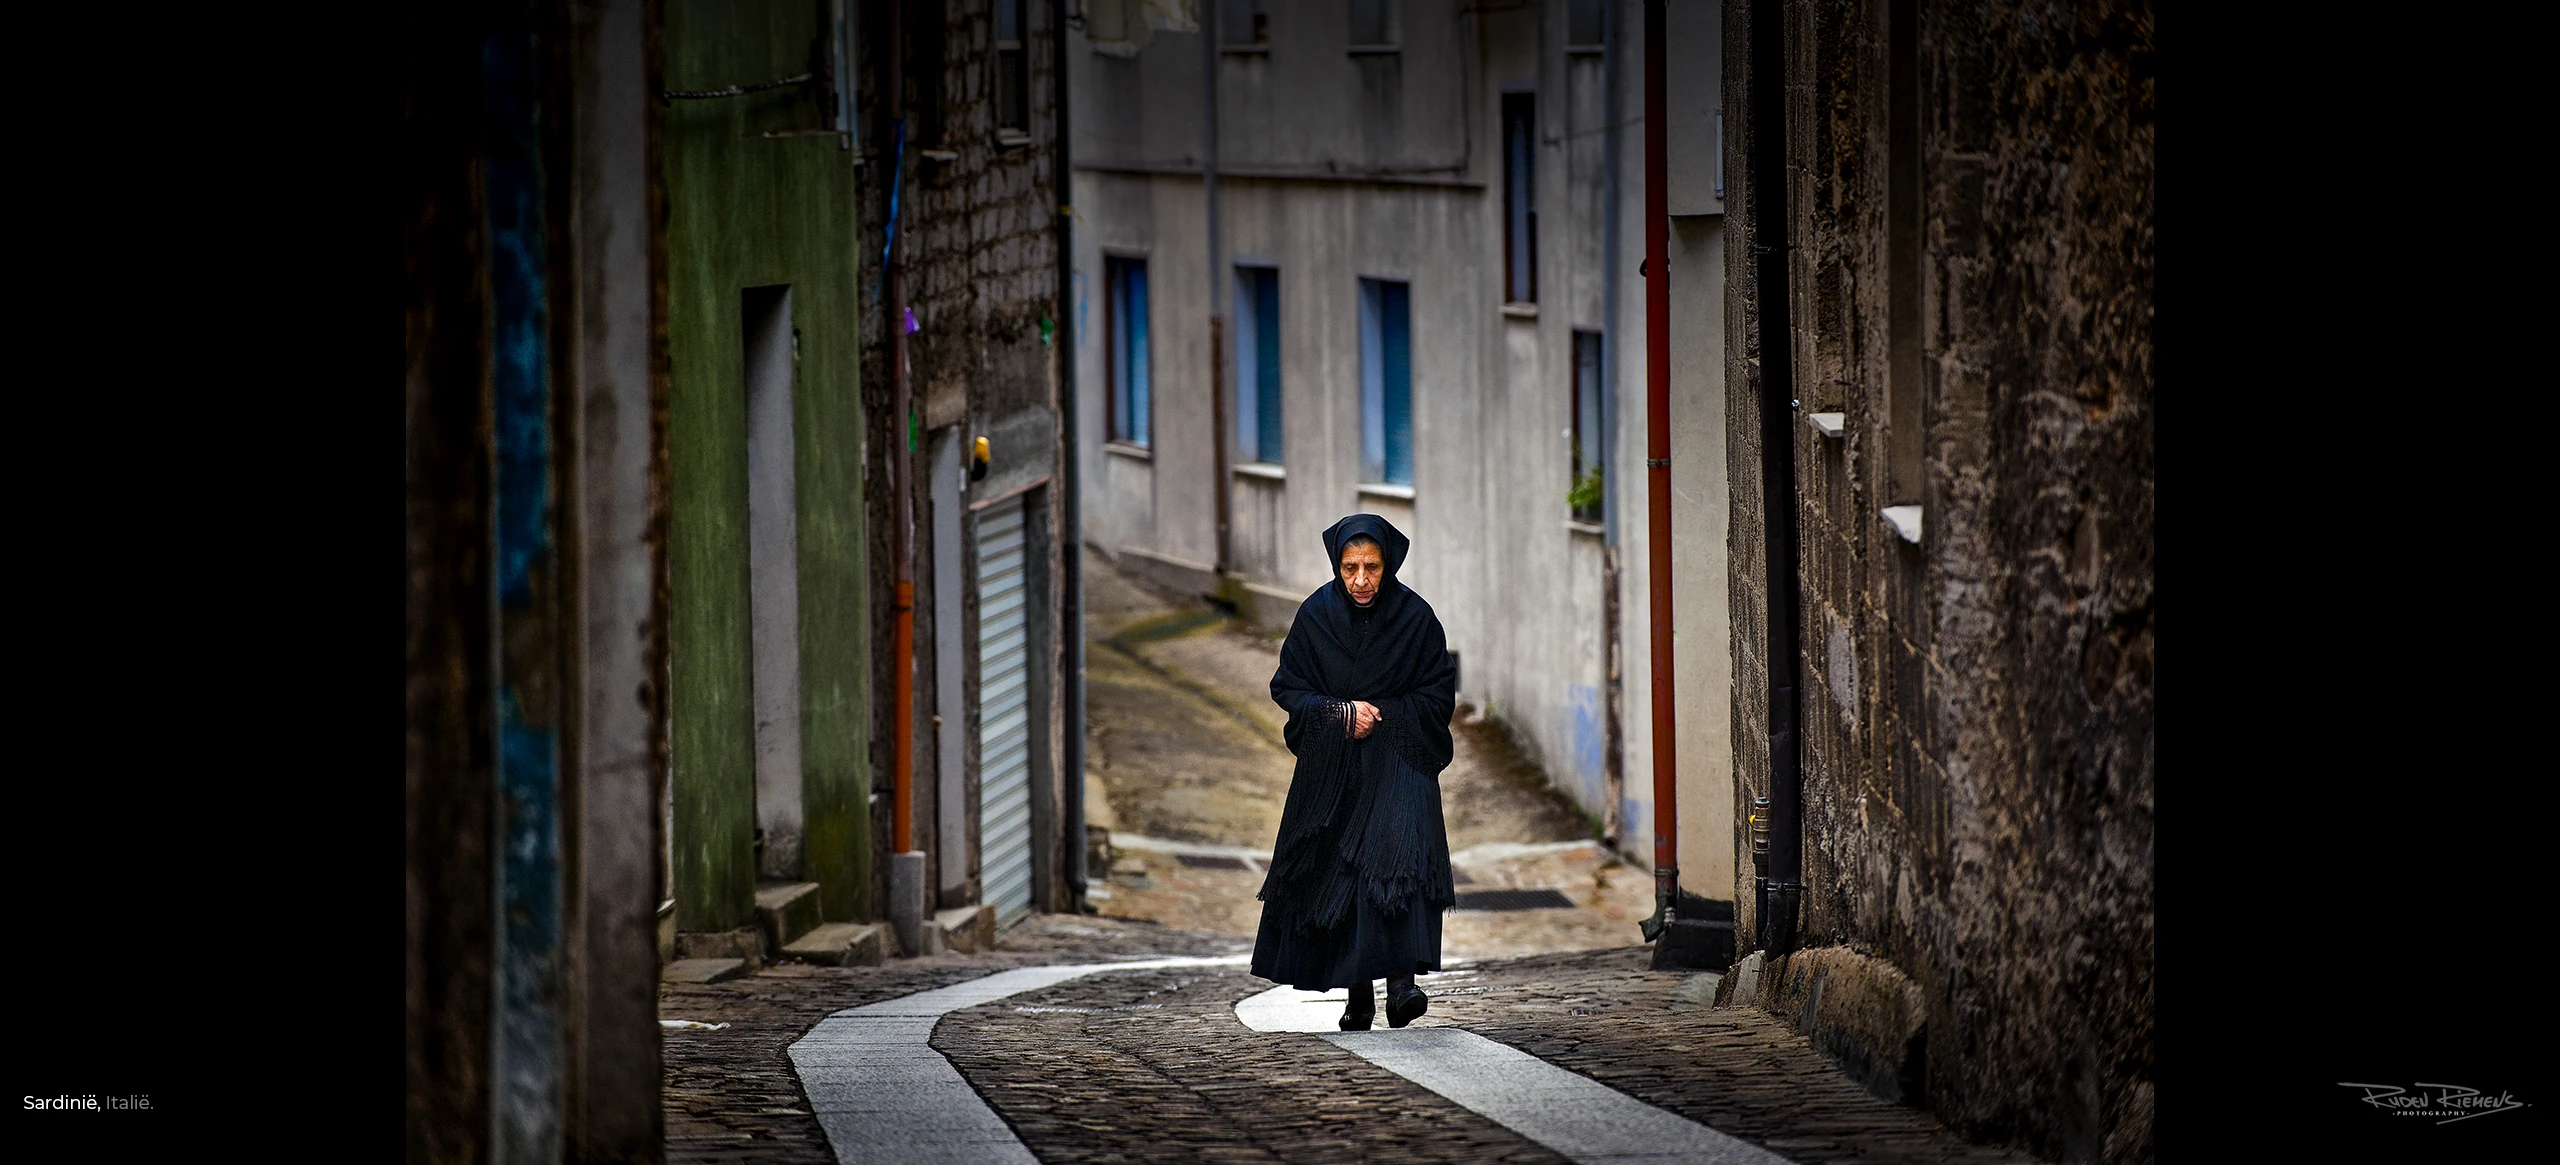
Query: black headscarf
x=1393, y=655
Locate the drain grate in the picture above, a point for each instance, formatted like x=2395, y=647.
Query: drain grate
x=1514, y=900
x=1210, y=862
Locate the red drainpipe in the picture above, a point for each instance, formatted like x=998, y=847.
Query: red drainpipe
x=1657, y=461
x=902, y=648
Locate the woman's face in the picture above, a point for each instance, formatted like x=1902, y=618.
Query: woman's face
x=1361, y=569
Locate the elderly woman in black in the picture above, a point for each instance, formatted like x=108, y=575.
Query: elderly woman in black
x=1360, y=874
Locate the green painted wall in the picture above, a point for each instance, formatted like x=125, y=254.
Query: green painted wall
x=748, y=211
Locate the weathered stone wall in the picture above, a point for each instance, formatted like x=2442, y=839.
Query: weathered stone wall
x=981, y=260
x=1977, y=708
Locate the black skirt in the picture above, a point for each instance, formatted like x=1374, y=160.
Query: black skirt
x=1373, y=942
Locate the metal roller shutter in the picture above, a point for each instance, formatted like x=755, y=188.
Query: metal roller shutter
x=1004, y=712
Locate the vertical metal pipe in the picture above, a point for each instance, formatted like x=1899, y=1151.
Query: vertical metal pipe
x=1657, y=409
x=1612, y=266
x=1220, y=438
x=1071, y=490
x=902, y=650
x=1770, y=216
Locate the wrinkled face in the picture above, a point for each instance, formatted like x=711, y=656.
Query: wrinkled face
x=1362, y=568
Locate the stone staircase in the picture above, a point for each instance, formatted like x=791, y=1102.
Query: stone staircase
x=789, y=926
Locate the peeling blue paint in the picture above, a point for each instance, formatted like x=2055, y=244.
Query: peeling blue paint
x=897, y=182
x=1590, y=757
x=526, y=1049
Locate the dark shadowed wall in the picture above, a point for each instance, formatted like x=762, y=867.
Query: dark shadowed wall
x=1976, y=706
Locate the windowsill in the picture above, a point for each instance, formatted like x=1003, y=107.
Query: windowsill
x=1380, y=489
x=939, y=155
x=1520, y=311
x=1263, y=469
x=1831, y=424
x=1371, y=50
x=1012, y=139
x=1591, y=528
x=1125, y=449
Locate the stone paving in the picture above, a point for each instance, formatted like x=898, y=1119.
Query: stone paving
x=730, y=1093
x=1652, y=1035
x=1154, y=1066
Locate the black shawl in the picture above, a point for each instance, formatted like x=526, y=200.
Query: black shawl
x=1334, y=841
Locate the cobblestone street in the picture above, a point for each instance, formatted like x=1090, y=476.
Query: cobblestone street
x=1154, y=1065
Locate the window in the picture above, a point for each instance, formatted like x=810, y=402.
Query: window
x=1386, y=382
x=1377, y=23
x=1585, y=24
x=1125, y=323
x=1244, y=23
x=1257, y=343
x=1519, y=198
x=1586, y=494
x=1013, y=69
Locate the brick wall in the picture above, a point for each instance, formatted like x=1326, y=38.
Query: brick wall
x=1977, y=709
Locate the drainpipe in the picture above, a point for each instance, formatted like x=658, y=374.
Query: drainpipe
x=1221, y=437
x=906, y=867
x=1781, y=890
x=1657, y=463
x=1613, y=631
x=1071, y=523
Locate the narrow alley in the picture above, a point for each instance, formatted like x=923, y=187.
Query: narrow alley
x=1135, y=1034
x=1235, y=581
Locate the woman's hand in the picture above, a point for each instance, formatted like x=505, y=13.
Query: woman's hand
x=1364, y=716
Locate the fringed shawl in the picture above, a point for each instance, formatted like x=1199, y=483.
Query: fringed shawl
x=1336, y=840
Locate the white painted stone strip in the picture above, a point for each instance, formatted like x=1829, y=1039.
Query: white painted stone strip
x=886, y=1097
x=1502, y=851
x=1163, y=845
x=1572, y=1114
x=1565, y=1111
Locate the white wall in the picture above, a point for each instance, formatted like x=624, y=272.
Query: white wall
x=1518, y=588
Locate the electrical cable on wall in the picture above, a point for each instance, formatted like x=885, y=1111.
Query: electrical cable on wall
x=734, y=90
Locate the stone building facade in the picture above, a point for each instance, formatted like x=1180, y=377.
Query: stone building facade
x=1942, y=479
x=979, y=208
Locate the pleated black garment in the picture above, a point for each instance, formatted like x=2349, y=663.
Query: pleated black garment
x=1360, y=874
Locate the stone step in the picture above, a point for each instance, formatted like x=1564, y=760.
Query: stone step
x=703, y=970
x=967, y=929
x=843, y=944
x=745, y=942
x=785, y=911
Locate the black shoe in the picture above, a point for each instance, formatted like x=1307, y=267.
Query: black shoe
x=1362, y=1013
x=1405, y=1004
